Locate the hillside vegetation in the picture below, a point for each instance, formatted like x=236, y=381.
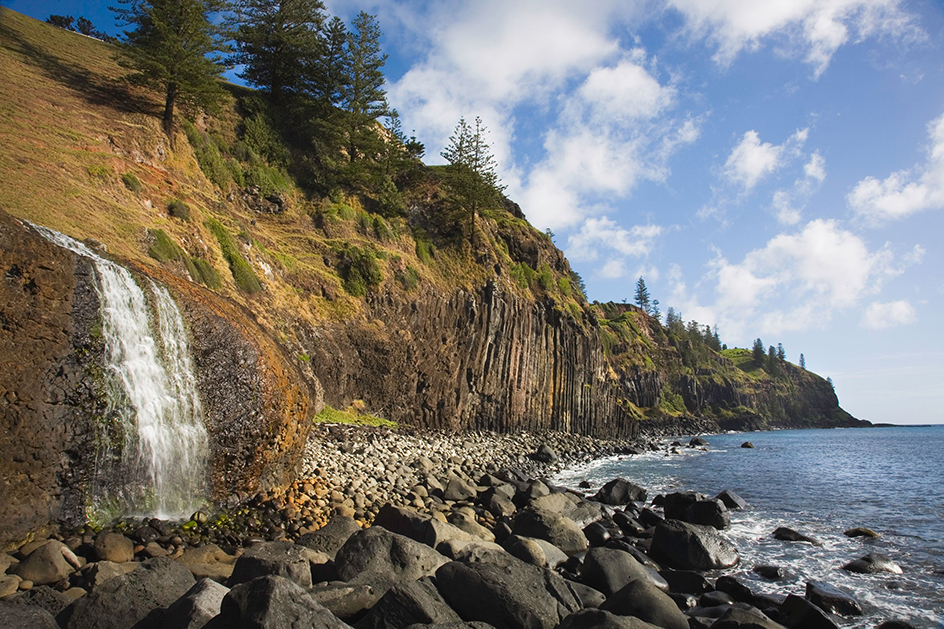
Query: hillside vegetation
x=344, y=276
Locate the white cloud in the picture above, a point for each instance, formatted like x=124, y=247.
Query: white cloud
x=879, y=316
x=752, y=160
x=788, y=204
x=811, y=29
x=602, y=234
x=904, y=193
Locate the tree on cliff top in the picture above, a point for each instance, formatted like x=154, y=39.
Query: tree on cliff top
x=173, y=46
x=472, y=172
x=642, y=295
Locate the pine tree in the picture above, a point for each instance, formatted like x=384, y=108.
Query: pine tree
x=173, y=45
x=364, y=98
x=757, y=353
x=642, y=295
x=472, y=173
x=773, y=365
x=655, y=312
x=781, y=354
x=802, y=362
x=279, y=44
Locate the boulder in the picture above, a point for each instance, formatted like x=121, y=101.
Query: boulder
x=123, y=601
x=596, y=534
x=731, y=500
x=697, y=442
x=747, y=444
x=376, y=551
x=831, y=599
x=735, y=589
x=453, y=548
x=407, y=604
x=498, y=504
x=861, y=531
x=348, y=600
x=15, y=616
x=526, y=549
x=329, y=538
x=283, y=559
x=195, y=608
x=686, y=546
x=873, y=563
x=9, y=584
x=545, y=454
x=770, y=572
x=896, y=624
x=457, y=489
x=648, y=603
x=111, y=546
x=712, y=513
x=676, y=505
x=45, y=597
x=272, y=602
x=418, y=526
x=686, y=581
x=609, y=570
x=789, y=535
x=97, y=573
x=736, y=618
x=556, y=529
x=47, y=564
x=620, y=491
x=715, y=599
x=599, y=619
x=557, y=503
x=499, y=589
x=587, y=596
x=798, y=613
x=468, y=524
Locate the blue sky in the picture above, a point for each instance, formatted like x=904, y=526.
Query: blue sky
x=774, y=168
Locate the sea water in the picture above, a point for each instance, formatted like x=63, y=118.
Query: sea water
x=821, y=483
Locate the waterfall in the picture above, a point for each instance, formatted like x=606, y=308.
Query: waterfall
x=151, y=444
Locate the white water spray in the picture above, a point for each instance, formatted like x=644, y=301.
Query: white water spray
x=152, y=446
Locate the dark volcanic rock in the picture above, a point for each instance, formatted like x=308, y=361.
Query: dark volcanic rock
x=731, y=500
x=599, y=619
x=407, y=604
x=676, y=505
x=25, y=616
x=647, y=603
x=609, y=570
x=331, y=537
x=122, y=601
x=735, y=589
x=686, y=546
x=789, y=535
x=770, y=572
x=272, y=602
x=747, y=444
x=832, y=599
x=496, y=588
x=620, y=491
x=686, y=581
x=712, y=513
x=556, y=529
x=798, y=613
x=198, y=606
x=45, y=565
x=861, y=532
x=378, y=552
x=545, y=454
x=735, y=618
x=283, y=559
x=873, y=563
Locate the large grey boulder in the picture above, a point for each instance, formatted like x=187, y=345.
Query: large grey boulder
x=798, y=613
x=348, y=600
x=406, y=604
x=873, y=563
x=786, y=534
x=272, y=602
x=685, y=546
x=648, y=603
x=620, y=491
x=556, y=529
x=111, y=546
x=329, y=538
x=831, y=599
x=499, y=589
x=599, y=619
x=46, y=565
x=419, y=527
x=609, y=570
x=737, y=618
x=16, y=616
x=283, y=559
x=197, y=607
x=125, y=600
x=376, y=553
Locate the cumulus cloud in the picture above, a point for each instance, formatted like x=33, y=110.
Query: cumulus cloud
x=906, y=192
x=788, y=204
x=811, y=29
x=752, y=160
x=604, y=235
x=879, y=316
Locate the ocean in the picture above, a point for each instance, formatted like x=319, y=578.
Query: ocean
x=821, y=483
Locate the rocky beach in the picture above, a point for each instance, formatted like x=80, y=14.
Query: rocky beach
x=396, y=528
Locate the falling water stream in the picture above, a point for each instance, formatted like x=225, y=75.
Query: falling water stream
x=151, y=445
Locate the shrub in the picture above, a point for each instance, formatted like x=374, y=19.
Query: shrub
x=99, y=171
x=359, y=271
x=131, y=182
x=364, y=223
x=546, y=278
x=179, y=209
x=409, y=279
x=269, y=180
x=261, y=138
x=204, y=273
x=208, y=155
x=245, y=278
x=390, y=199
x=563, y=285
x=523, y=274
x=382, y=229
x=164, y=249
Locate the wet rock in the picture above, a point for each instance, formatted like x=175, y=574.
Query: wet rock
x=125, y=600
x=620, y=491
x=735, y=618
x=789, y=535
x=735, y=589
x=283, y=559
x=697, y=442
x=111, y=546
x=798, y=613
x=329, y=538
x=731, y=500
x=831, y=599
x=747, y=444
x=873, y=563
x=599, y=619
x=272, y=602
x=895, y=624
x=770, y=572
x=46, y=598
x=686, y=581
x=686, y=546
x=712, y=513
x=648, y=603
x=596, y=534
x=609, y=570
x=196, y=607
x=558, y=530
x=46, y=564
x=407, y=604
x=379, y=552
x=715, y=599
x=861, y=532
